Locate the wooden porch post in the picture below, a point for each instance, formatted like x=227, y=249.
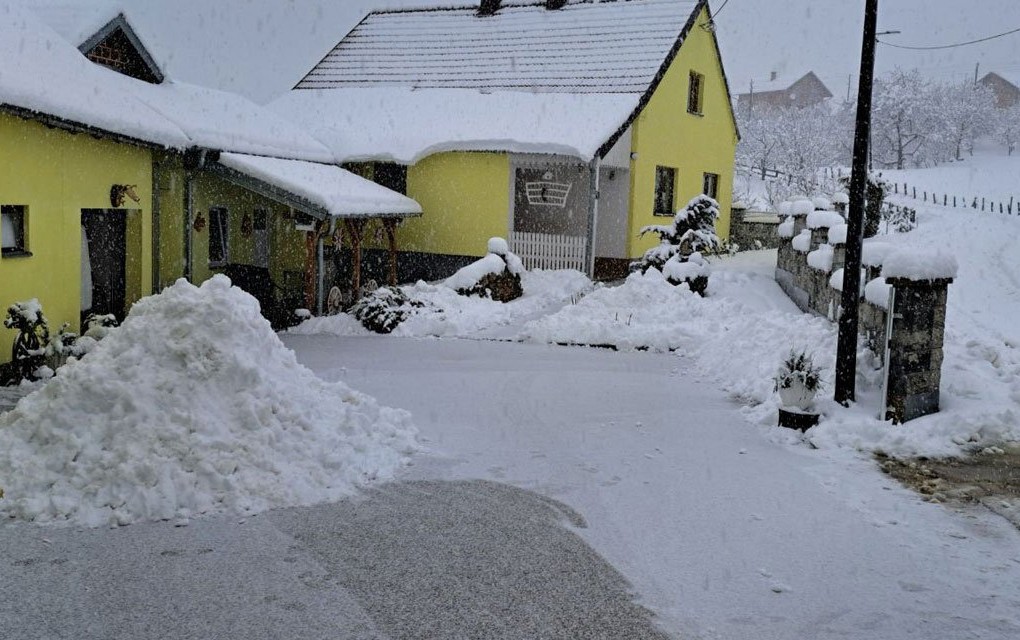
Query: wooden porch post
x=311, y=266
x=390, y=225
x=356, y=229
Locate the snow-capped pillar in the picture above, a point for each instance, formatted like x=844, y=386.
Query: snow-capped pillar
x=917, y=322
x=593, y=214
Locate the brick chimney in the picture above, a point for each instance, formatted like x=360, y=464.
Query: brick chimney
x=553, y=5
x=488, y=8
x=772, y=75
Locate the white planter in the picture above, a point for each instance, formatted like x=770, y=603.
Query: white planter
x=797, y=395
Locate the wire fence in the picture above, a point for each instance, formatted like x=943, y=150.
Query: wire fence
x=965, y=202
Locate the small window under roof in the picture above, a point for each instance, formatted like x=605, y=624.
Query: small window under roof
x=116, y=46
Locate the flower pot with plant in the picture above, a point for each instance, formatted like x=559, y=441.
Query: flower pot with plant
x=798, y=380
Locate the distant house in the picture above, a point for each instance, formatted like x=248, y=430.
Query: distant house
x=1006, y=88
x=806, y=91
x=564, y=126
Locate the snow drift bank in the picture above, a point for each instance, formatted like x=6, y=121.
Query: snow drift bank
x=192, y=406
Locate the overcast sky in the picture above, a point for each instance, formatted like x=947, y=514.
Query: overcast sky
x=263, y=47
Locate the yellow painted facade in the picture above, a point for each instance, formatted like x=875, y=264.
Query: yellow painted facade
x=55, y=174
x=465, y=199
x=665, y=134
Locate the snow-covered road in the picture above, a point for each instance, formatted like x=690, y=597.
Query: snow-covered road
x=723, y=532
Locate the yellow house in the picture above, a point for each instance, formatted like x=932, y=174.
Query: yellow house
x=565, y=127
x=116, y=182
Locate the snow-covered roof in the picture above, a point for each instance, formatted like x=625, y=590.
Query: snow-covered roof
x=1012, y=77
x=590, y=47
x=339, y=192
x=405, y=125
x=44, y=73
x=782, y=82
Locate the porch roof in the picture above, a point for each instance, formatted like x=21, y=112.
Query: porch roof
x=321, y=190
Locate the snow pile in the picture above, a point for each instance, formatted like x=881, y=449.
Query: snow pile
x=821, y=258
x=874, y=253
x=802, y=242
x=678, y=270
x=447, y=314
x=785, y=208
x=821, y=203
x=802, y=207
x=877, y=293
x=837, y=234
x=785, y=228
x=192, y=406
x=919, y=264
x=824, y=220
x=496, y=261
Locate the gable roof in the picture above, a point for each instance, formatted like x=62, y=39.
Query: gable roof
x=783, y=83
x=46, y=78
x=573, y=90
x=118, y=33
x=585, y=47
x=1011, y=78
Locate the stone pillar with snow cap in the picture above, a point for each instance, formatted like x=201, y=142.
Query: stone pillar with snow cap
x=841, y=201
x=920, y=285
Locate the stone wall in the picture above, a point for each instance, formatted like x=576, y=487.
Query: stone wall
x=752, y=230
x=918, y=321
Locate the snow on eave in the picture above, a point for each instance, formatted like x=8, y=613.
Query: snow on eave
x=403, y=125
x=329, y=188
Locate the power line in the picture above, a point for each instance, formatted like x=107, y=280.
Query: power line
x=721, y=7
x=950, y=46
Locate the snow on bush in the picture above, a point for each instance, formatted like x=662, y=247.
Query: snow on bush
x=192, y=406
x=692, y=231
x=919, y=264
x=469, y=276
x=447, y=314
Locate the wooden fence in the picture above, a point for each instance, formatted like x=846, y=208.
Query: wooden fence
x=549, y=251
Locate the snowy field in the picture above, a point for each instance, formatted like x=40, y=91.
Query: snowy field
x=990, y=173
x=664, y=448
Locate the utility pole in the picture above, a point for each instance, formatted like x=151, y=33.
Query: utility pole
x=977, y=66
x=849, y=86
x=846, y=345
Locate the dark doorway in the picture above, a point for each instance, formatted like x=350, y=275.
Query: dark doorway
x=105, y=239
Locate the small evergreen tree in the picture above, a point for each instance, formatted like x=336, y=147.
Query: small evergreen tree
x=692, y=231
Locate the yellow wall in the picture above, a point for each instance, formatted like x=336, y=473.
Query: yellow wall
x=666, y=135
x=169, y=172
x=465, y=199
x=287, y=246
x=56, y=174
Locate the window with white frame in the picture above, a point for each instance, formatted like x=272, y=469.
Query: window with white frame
x=710, y=185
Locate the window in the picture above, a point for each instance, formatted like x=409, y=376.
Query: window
x=695, y=93
x=12, y=230
x=665, y=182
x=710, y=186
x=261, y=219
x=219, y=231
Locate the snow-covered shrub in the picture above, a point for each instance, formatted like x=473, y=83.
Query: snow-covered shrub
x=383, y=309
x=28, y=354
x=798, y=367
x=691, y=234
x=899, y=218
x=693, y=230
x=497, y=275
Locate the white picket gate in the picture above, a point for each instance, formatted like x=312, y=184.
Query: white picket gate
x=549, y=251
